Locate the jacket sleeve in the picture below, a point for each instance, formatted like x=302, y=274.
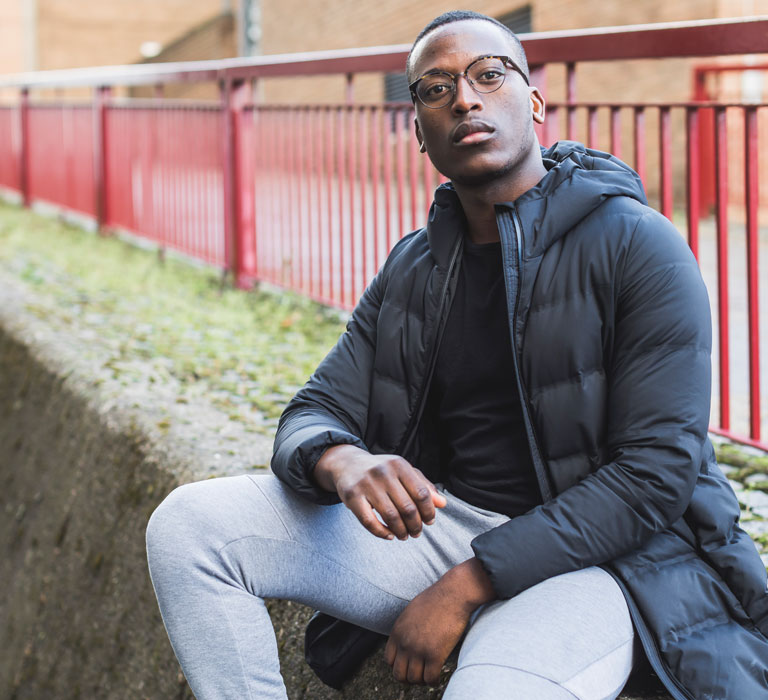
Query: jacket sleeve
x=332, y=407
x=658, y=411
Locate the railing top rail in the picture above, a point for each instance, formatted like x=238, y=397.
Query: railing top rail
x=698, y=38
x=711, y=37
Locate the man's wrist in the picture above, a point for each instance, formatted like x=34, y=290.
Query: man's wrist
x=324, y=473
x=469, y=583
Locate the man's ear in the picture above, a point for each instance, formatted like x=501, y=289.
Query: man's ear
x=419, y=138
x=538, y=106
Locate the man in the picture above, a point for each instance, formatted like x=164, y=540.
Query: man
x=527, y=377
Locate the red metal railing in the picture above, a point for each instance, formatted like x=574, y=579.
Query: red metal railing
x=60, y=162
x=334, y=187
x=10, y=148
x=312, y=197
x=734, y=283
x=164, y=175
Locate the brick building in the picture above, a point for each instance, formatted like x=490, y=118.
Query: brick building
x=47, y=34
x=292, y=25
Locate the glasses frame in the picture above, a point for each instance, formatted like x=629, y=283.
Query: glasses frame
x=506, y=60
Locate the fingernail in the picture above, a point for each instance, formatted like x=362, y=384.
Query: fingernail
x=429, y=522
x=390, y=537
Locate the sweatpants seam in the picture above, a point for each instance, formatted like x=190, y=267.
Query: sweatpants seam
x=522, y=670
x=237, y=645
x=271, y=505
x=600, y=658
x=319, y=554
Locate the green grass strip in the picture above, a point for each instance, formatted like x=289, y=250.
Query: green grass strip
x=253, y=349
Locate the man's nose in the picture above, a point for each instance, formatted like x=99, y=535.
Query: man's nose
x=466, y=98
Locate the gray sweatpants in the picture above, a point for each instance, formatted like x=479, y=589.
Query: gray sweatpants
x=217, y=548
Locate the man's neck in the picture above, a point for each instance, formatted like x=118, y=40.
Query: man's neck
x=478, y=202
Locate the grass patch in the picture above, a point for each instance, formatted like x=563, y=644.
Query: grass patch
x=251, y=349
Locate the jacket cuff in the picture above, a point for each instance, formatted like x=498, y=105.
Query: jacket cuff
x=514, y=557
x=305, y=448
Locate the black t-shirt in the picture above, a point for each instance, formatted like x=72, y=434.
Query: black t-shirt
x=474, y=396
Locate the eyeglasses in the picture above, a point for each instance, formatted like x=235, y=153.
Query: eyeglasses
x=486, y=74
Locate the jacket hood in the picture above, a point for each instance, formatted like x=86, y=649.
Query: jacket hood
x=577, y=182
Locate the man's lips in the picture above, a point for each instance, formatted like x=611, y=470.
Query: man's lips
x=472, y=132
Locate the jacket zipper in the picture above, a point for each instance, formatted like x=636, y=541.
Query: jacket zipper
x=410, y=432
x=654, y=657
x=649, y=645
x=533, y=445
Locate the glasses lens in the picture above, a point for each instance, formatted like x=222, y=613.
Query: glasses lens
x=487, y=75
x=435, y=90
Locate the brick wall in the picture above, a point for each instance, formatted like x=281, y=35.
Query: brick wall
x=214, y=38
x=11, y=37
x=86, y=33
x=74, y=33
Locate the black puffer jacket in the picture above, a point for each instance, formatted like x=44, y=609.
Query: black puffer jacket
x=611, y=333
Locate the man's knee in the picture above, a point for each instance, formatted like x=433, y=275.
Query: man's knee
x=205, y=516
x=177, y=520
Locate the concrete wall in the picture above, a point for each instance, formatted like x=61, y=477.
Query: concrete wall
x=77, y=616
x=79, y=479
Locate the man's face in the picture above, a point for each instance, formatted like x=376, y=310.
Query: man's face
x=505, y=116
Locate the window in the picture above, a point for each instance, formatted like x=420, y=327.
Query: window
x=396, y=88
x=519, y=21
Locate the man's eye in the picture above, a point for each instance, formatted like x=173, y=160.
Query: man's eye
x=436, y=89
x=488, y=76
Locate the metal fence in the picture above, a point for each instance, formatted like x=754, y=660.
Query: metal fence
x=312, y=197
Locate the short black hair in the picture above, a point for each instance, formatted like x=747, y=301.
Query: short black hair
x=460, y=16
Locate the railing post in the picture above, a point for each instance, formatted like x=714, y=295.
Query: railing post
x=721, y=227
x=349, y=93
x=692, y=207
x=100, y=155
x=570, y=99
x=234, y=95
x=246, y=271
x=24, y=148
x=752, y=197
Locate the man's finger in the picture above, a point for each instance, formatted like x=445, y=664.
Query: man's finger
x=424, y=494
x=432, y=671
x=409, y=510
x=364, y=513
x=415, y=672
x=438, y=499
x=400, y=667
x=390, y=651
x=390, y=514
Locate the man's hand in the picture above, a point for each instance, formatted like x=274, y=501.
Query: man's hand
x=434, y=621
x=403, y=497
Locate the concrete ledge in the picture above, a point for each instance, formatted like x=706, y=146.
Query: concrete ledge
x=82, y=466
